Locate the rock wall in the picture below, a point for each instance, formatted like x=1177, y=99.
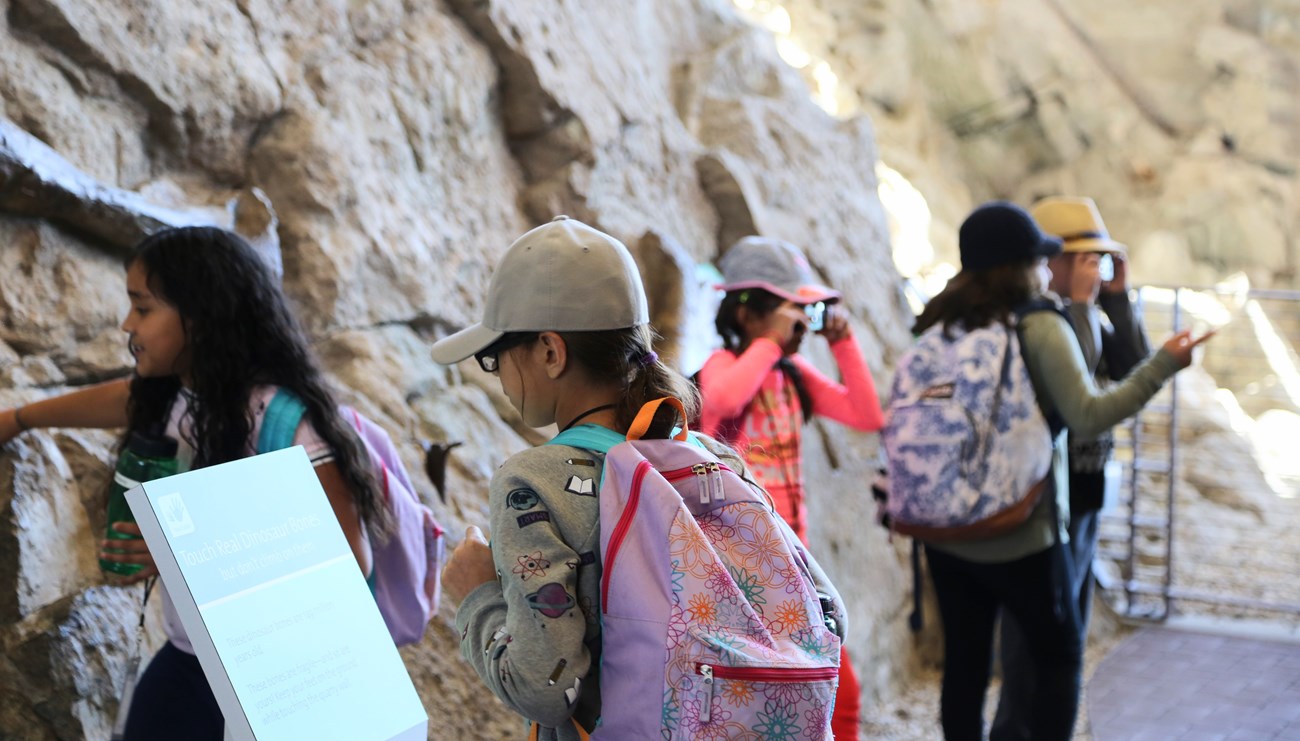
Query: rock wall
x=403, y=145
x=1180, y=118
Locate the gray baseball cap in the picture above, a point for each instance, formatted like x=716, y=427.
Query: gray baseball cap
x=773, y=265
x=563, y=276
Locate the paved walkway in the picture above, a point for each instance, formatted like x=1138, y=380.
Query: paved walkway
x=1173, y=685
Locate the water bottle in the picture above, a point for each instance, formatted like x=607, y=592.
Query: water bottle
x=145, y=458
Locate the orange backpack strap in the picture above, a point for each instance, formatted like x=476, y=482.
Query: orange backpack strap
x=647, y=414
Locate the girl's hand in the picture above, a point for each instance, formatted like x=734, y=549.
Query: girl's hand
x=1181, y=346
x=785, y=323
x=469, y=567
x=836, y=326
x=128, y=551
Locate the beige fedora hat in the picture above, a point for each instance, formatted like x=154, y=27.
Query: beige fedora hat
x=1077, y=222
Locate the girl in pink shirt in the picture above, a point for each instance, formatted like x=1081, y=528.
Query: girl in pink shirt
x=758, y=391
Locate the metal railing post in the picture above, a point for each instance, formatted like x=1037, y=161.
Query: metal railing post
x=1173, y=466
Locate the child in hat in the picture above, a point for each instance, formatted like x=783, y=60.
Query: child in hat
x=758, y=392
x=566, y=330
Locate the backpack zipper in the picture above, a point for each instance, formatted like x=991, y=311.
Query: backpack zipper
x=620, y=531
x=708, y=672
x=710, y=487
x=718, y=492
x=766, y=674
x=706, y=707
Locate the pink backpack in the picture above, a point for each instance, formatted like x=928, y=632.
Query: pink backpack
x=405, y=576
x=712, y=623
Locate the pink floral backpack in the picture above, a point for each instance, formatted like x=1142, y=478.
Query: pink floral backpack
x=716, y=623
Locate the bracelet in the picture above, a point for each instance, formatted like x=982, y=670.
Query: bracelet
x=18, y=420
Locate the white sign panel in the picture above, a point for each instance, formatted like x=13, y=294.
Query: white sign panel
x=280, y=616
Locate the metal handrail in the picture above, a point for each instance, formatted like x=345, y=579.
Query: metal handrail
x=1166, y=590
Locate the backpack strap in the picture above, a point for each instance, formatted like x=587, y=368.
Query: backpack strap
x=646, y=416
x=1054, y=421
x=280, y=422
x=588, y=437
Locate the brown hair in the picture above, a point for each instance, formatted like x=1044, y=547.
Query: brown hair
x=625, y=356
x=976, y=298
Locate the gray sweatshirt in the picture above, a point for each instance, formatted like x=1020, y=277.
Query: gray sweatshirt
x=533, y=636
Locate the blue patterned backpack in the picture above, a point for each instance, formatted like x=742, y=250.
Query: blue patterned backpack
x=968, y=450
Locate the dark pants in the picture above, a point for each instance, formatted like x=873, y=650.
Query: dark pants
x=1012, y=720
x=173, y=701
x=1035, y=590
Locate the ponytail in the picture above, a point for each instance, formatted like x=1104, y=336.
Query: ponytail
x=627, y=356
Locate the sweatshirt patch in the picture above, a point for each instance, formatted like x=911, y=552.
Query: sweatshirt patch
x=532, y=518
x=580, y=486
x=552, y=600
x=522, y=499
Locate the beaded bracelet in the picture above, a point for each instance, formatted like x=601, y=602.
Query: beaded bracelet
x=18, y=420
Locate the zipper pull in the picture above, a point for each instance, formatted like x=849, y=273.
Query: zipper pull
x=718, y=492
x=701, y=472
x=706, y=707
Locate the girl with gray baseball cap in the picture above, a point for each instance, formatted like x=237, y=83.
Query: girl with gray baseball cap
x=566, y=330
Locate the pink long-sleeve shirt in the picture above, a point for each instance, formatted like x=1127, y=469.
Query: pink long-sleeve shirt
x=750, y=401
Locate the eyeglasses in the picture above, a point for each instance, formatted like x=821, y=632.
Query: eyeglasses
x=488, y=358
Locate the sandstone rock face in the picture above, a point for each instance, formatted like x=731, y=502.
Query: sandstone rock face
x=1179, y=118
x=403, y=146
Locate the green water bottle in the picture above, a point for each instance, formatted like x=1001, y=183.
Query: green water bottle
x=145, y=458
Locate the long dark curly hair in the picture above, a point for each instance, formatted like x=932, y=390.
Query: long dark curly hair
x=240, y=334
x=761, y=303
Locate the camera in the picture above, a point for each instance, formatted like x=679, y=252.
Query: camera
x=1106, y=268
x=816, y=315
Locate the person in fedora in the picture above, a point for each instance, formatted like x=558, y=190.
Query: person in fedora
x=1026, y=571
x=1091, y=277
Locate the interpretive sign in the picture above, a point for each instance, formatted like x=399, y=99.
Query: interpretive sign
x=269, y=592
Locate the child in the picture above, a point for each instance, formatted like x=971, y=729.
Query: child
x=213, y=340
x=566, y=330
x=758, y=391
x=1026, y=572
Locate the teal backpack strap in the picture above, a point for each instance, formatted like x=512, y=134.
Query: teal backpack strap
x=601, y=439
x=588, y=437
x=280, y=422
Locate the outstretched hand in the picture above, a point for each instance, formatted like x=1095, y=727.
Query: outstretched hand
x=1182, y=344
x=469, y=567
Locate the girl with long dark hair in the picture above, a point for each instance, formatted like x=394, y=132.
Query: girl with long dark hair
x=213, y=341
